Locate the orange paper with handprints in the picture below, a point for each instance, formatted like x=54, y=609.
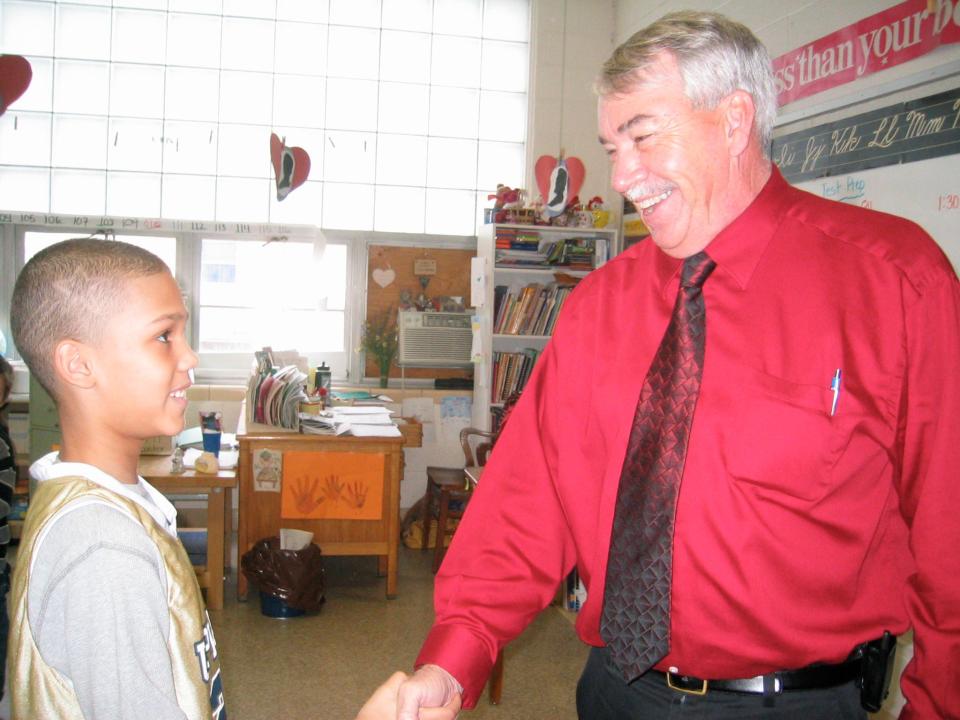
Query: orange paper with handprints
x=332, y=486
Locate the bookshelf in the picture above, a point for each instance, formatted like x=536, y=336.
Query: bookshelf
x=528, y=271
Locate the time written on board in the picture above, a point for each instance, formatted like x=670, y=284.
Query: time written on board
x=948, y=201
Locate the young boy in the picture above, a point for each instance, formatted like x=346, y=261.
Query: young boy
x=107, y=620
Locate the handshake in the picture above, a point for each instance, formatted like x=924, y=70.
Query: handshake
x=401, y=697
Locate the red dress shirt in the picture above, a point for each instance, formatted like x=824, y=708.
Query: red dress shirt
x=799, y=534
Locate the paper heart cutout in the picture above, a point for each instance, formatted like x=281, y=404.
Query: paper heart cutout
x=15, y=76
x=384, y=277
x=559, y=180
x=291, y=166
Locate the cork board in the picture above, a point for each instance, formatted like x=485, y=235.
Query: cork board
x=452, y=279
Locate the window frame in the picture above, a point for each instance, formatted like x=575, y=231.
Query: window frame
x=234, y=368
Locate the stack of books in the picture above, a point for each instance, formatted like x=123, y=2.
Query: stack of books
x=574, y=253
x=274, y=394
x=531, y=310
x=511, y=370
x=518, y=249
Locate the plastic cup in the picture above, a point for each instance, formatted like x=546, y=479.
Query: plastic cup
x=211, y=443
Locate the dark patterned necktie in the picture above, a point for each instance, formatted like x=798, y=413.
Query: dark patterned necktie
x=636, y=613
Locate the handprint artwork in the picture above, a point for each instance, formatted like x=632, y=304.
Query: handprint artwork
x=356, y=495
x=333, y=488
x=304, y=491
x=332, y=485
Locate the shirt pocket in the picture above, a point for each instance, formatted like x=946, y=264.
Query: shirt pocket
x=780, y=437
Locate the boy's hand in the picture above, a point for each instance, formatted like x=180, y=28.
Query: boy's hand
x=430, y=687
x=382, y=705
x=426, y=690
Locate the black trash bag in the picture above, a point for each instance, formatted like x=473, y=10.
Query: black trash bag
x=294, y=576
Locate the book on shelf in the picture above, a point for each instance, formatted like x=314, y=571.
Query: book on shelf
x=499, y=293
x=536, y=307
x=511, y=370
x=527, y=249
x=523, y=308
x=530, y=310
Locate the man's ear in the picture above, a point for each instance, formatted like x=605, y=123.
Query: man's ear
x=72, y=363
x=738, y=114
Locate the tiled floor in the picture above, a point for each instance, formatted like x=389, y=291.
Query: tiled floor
x=326, y=666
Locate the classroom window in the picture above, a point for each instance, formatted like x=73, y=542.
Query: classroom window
x=288, y=295
x=167, y=112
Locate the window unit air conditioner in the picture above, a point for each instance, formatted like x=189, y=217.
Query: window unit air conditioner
x=435, y=339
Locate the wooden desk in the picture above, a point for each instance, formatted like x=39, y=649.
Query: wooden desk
x=260, y=511
x=218, y=488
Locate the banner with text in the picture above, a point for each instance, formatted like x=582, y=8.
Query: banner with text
x=891, y=37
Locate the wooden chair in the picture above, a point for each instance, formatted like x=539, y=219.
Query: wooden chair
x=452, y=491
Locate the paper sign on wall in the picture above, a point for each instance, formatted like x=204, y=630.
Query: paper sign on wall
x=424, y=266
x=332, y=486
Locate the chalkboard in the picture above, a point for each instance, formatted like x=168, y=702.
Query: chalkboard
x=906, y=132
x=926, y=192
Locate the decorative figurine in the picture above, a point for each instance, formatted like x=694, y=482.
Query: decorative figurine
x=505, y=200
x=601, y=216
x=176, y=462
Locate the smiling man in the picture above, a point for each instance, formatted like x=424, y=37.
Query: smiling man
x=757, y=480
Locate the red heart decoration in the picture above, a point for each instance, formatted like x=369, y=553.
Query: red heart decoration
x=291, y=166
x=558, y=187
x=15, y=76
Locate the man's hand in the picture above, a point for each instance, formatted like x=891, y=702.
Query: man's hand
x=400, y=698
x=430, y=687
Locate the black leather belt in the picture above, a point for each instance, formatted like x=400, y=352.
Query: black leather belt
x=807, y=678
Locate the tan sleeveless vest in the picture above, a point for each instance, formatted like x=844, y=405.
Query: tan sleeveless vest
x=39, y=691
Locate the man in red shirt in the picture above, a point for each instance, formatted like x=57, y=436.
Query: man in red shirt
x=817, y=508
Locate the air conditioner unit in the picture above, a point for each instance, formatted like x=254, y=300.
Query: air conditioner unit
x=435, y=339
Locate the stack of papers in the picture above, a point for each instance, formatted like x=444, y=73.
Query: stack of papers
x=274, y=396
x=359, y=421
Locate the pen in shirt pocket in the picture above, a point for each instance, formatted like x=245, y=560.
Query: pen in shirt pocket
x=835, y=387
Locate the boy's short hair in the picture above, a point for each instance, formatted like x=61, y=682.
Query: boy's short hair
x=68, y=291
x=6, y=373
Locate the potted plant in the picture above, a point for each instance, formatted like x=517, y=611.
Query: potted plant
x=380, y=341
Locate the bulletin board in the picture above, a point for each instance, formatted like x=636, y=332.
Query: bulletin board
x=391, y=271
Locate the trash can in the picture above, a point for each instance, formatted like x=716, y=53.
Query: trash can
x=291, y=582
